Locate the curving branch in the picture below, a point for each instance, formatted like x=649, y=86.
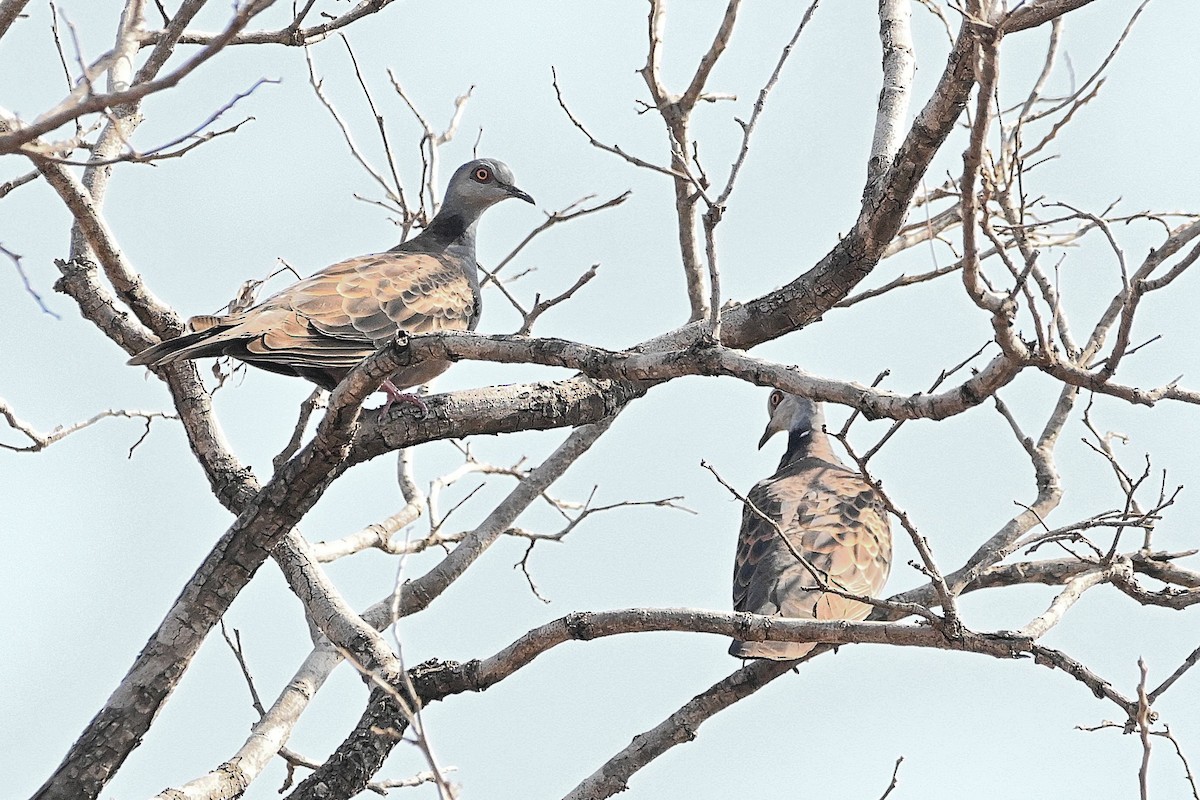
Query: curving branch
x=294, y=34
x=636, y=372
x=1039, y=12
x=376, y=732
x=899, y=66
x=679, y=728
x=265, y=520
x=273, y=730
x=39, y=441
x=18, y=136
x=128, y=284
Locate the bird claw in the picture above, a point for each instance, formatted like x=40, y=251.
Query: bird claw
x=394, y=395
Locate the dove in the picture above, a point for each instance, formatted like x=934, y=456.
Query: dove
x=830, y=514
x=321, y=327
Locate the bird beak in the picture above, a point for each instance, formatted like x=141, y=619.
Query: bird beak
x=517, y=193
x=772, y=429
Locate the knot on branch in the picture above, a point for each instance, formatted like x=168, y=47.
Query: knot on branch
x=579, y=625
x=743, y=625
x=869, y=405
x=71, y=268
x=473, y=676
x=952, y=628
x=1008, y=309
x=970, y=396
x=1017, y=645
x=985, y=33
x=295, y=37
x=1122, y=567
x=434, y=679
x=713, y=216
x=431, y=665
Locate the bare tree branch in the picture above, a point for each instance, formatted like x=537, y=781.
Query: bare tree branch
x=293, y=35
x=610, y=148
x=1039, y=625
x=1187, y=664
x=40, y=441
x=573, y=211
x=1039, y=12
x=17, y=182
x=613, y=776
x=899, y=65
x=29, y=290
x=1143, y=725
x=759, y=104
x=15, y=135
x=10, y=10
x=265, y=521
x=1013, y=282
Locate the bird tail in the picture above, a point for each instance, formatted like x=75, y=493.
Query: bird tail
x=184, y=348
x=775, y=651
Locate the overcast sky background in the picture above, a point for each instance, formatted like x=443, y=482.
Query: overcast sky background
x=98, y=545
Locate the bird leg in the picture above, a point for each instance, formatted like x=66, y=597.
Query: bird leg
x=394, y=394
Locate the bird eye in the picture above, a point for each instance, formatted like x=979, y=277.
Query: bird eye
x=776, y=398
x=483, y=174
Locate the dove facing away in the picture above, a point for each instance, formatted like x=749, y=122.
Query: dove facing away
x=830, y=514
x=322, y=326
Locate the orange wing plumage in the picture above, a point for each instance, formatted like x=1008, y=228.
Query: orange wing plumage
x=832, y=517
x=322, y=326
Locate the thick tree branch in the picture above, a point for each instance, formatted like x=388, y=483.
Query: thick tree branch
x=274, y=728
x=130, y=288
x=264, y=522
x=1039, y=12
x=899, y=65
x=679, y=728
x=9, y=11
x=635, y=372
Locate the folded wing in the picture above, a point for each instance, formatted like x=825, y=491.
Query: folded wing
x=324, y=325
x=833, y=519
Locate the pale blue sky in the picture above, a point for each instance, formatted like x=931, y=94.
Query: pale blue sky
x=98, y=545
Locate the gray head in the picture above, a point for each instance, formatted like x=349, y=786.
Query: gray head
x=797, y=415
x=478, y=185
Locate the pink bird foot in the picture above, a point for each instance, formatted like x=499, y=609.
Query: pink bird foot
x=394, y=395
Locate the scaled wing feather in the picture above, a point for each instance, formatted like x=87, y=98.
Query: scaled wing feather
x=337, y=317
x=832, y=518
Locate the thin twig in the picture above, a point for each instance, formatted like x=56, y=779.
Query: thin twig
x=1143, y=724
x=895, y=779
x=821, y=578
x=40, y=441
x=608, y=148
x=160, y=152
x=1187, y=664
x=29, y=290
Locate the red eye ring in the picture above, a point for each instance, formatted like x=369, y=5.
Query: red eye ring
x=483, y=174
x=776, y=397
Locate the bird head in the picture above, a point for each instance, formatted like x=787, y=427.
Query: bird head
x=478, y=185
x=791, y=413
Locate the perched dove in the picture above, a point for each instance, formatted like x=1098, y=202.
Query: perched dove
x=321, y=327
x=828, y=513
